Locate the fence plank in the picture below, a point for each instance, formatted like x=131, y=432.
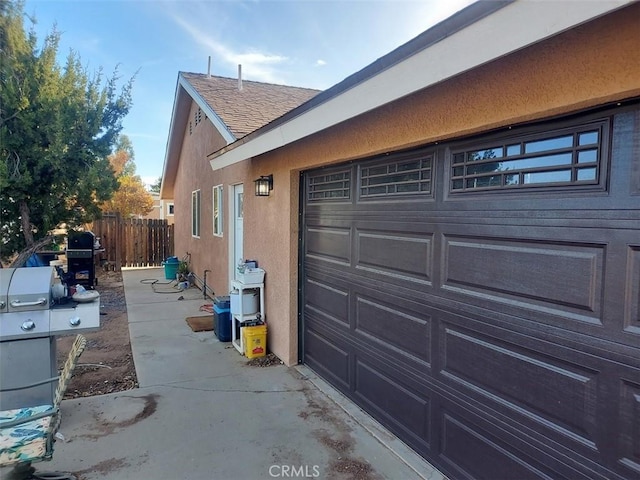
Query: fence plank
x=131, y=242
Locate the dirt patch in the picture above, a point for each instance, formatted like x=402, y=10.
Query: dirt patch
x=341, y=446
x=104, y=467
x=320, y=409
x=337, y=438
x=106, y=365
x=150, y=407
x=355, y=469
x=104, y=426
x=268, y=360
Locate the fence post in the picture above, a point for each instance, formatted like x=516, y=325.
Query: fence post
x=119, y=238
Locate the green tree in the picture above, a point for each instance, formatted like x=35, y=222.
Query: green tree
x=155, y=187
x=58, y=125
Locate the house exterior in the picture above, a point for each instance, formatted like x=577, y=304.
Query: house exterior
x=162, y=209
x=452, y=239
x=209, y=113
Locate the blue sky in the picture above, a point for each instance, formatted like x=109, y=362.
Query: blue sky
x=303, y=43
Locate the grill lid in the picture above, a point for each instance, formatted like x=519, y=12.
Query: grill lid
x=30, y=289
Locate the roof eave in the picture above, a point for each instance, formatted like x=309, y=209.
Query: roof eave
x=185, y=93
x=393, y=76
x=169, y=167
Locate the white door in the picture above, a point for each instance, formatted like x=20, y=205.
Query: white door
x=238, y=207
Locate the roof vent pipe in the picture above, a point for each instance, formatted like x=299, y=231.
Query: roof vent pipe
x=209, y=68
x=239, y=77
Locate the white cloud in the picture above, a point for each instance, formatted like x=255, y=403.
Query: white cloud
x=148, y=181
x=257, y=65
x=320, y=63
x=147, y=136
x=432, y=12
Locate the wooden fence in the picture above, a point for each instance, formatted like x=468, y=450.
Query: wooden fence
x=132, y=242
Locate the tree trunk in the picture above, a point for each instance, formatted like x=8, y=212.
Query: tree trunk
x=27, y=230
x=24, y=255
x=25, y=216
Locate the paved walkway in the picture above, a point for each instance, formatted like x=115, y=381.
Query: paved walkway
x=202, y=413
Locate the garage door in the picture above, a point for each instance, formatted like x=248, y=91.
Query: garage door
x=482, y=299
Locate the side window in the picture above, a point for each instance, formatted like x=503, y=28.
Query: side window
x=195, y=213
x=217, y=210
x=170, y=209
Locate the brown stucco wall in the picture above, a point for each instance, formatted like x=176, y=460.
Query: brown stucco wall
x=592, y=65
x=155, y=213
x=168, y=216
x=194, y=172
x=270, y=236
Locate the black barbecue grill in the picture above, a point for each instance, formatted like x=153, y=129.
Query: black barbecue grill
x=80, y=261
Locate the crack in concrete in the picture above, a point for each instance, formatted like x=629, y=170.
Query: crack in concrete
x=171, y=384
x=234, y=390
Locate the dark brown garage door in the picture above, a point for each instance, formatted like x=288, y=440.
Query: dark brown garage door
x=482, y=299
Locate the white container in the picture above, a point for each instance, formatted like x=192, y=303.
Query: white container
x=251, y=275
x=249, y=302
x=58, y=263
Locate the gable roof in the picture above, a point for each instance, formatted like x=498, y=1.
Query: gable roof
x=246, y=110
x=234, y=112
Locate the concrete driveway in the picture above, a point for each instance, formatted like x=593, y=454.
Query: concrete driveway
x=202, y=413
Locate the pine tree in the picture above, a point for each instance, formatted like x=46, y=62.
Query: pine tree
x=58, y=126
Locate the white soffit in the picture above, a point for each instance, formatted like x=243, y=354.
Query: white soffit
x=511, y=28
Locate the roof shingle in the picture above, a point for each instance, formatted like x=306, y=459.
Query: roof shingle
x=246, y=110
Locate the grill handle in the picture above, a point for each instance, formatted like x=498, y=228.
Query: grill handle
x=18, y=303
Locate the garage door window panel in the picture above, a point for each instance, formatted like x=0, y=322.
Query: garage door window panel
x=567, y=157
x=329, y=186
x=399, y=177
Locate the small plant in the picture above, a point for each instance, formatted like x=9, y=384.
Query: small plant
x=183, y=270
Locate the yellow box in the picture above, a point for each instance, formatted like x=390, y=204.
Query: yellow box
x=254, y=341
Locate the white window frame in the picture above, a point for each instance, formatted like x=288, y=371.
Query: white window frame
x=217, y=206
x=195, y=213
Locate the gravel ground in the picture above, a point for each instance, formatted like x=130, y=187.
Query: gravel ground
x=106, y=365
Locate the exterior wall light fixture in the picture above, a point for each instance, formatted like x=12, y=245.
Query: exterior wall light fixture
x=264, y=185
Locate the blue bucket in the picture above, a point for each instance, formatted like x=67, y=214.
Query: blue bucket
x=171, y=268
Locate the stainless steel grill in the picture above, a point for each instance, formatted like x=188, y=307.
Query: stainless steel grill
x=30, y=319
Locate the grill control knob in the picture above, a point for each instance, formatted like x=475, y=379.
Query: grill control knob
x=28, y=325
x=74, y=321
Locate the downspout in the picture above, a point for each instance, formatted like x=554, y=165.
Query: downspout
x=206, y=290
x=204, y=287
